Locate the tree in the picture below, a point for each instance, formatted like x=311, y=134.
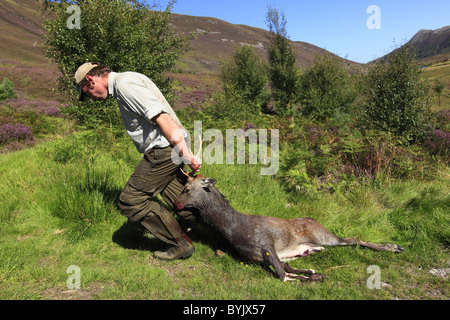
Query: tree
x=282, y=70
x=7, y=90
x=246, y=75
x=125, y=35
x=396, y=98
x=326, y=88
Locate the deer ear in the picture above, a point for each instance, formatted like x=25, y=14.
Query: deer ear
x=208, y=183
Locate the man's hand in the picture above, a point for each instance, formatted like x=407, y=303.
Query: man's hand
x=195, y=163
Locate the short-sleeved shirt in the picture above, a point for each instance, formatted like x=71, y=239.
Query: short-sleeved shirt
x=140, y=101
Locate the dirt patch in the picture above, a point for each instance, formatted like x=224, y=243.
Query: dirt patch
x=84, y=293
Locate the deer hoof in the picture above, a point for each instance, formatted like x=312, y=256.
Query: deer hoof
x=293, y=276
x=311, y=277
x=316, y=277
x=395, y=248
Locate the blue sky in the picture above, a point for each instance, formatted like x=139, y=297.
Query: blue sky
x=339, y=26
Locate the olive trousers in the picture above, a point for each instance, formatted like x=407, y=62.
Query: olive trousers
x=156, y=174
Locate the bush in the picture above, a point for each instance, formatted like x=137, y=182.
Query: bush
x=438, y=143
x=326, y=89
x=7, y=90
x=246, y=75
x=396, y=98
x=318, y=156
x=283, y=72
x=91, y=115
x=14, y=133
x=230, y=104
x=124, y=35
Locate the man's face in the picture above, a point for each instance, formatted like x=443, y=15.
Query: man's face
x=95, y=89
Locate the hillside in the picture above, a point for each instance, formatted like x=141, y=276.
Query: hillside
x=20, y=24
x=23, y=60
x=216, y=40
x=430, y=43
x=432, y=48
x=22, y=57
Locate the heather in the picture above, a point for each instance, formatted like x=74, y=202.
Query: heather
x=191, y=92
x=14, y=133
x=23, y=122
x=31, y=80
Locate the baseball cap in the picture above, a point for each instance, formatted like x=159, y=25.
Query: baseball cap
x=80, y=74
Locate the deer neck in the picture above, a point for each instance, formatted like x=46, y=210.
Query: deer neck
x=219, y=213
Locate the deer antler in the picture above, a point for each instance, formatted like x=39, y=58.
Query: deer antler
x=189, y=175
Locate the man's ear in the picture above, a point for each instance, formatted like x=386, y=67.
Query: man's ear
x=90, y=80
x=208, y=183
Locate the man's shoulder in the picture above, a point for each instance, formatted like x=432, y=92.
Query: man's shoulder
x=130, y=77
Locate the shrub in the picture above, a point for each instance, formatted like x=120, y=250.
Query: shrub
x=124, y=35
x=396, y=98
x=438, y=143
x=14, y=133
x=230, y=104
x=282, y=70
x=246, y=75
x=92, y=114
x=7, y=90
x=317, y=156
x=326, y=89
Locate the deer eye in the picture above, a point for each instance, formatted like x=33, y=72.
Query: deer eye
x=187, y=190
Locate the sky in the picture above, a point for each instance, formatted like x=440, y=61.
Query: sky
x=344, y=27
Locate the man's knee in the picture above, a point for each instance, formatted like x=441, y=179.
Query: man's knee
x=132, y=203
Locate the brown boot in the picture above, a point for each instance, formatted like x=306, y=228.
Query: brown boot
x=182, y=251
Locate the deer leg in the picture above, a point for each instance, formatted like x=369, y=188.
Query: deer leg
x=292, y=273
x=322, y=236
x=272, y=259
x=289, y=269
x=285, y=272
x=375, y=246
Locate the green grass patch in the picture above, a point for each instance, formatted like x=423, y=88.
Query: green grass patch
x=59, y=209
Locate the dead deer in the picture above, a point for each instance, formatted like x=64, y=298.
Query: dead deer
x=265, y=240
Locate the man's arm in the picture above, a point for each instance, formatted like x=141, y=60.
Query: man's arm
x=173, y=134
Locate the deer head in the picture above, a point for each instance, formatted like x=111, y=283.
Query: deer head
x=195, y=193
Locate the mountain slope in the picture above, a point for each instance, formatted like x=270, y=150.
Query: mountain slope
x=22, y=58
x=216, y=40
x=21, y=32
x=429, y=43
x=20, y=24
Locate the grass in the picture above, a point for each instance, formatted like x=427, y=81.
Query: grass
x=439, y=70
x=59, y=209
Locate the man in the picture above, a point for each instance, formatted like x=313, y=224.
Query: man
x=156, y=131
